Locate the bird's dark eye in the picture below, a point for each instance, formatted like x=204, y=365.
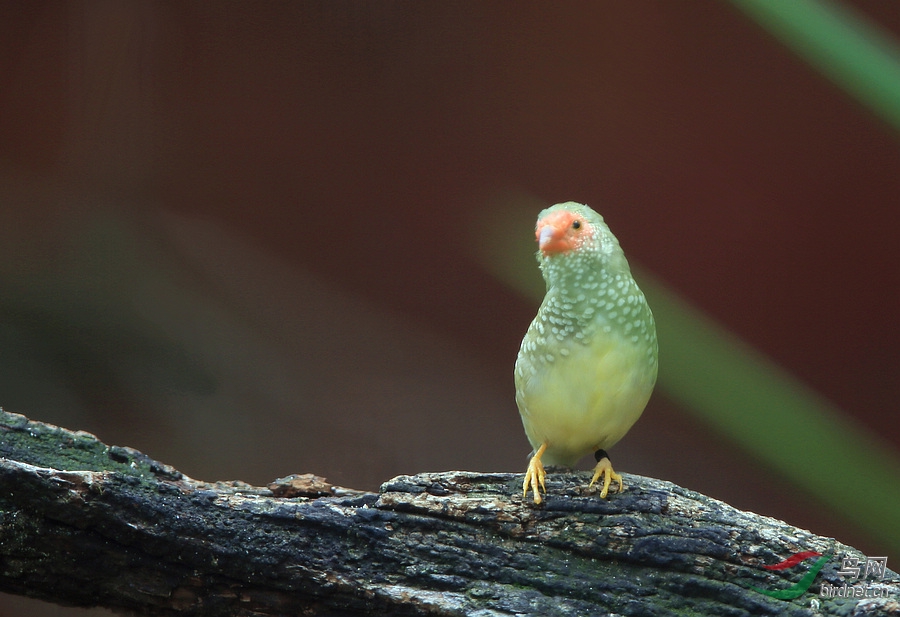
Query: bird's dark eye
x=576, y=225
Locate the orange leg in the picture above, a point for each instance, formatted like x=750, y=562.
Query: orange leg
x=604, y=468
x=534, y=476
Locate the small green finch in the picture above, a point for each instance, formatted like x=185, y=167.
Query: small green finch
x=588, y=362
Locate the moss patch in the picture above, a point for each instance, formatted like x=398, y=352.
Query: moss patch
x=45, y=445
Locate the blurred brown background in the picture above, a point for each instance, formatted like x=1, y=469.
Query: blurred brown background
x=240, y=236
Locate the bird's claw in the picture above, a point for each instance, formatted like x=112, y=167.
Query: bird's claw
x=604, y=468
x=535, y=476
x=534, y=479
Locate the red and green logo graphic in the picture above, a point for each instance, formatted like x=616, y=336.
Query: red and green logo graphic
x=803, y=585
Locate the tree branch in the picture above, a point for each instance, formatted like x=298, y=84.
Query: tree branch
x=85, y=524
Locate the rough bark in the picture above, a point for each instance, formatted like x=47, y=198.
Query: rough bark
x=85, y=524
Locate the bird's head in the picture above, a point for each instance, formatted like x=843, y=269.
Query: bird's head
x=574, y=234
x=568, y=227
x=561, y=230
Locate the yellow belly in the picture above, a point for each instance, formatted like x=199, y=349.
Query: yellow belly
x=583, y=399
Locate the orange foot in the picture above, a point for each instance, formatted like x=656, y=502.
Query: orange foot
x=535, y=474
x=604, y=468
